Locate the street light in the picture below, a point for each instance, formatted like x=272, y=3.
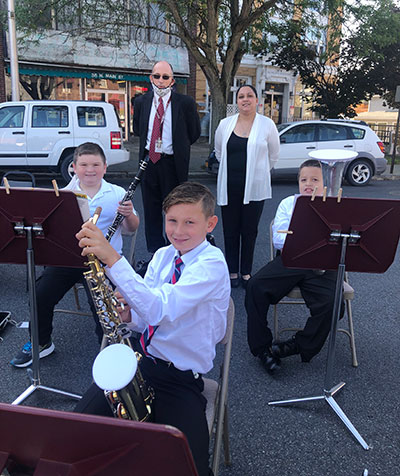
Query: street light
x=13, y=52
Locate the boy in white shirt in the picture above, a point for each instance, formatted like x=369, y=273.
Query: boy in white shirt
x=183, y=300
x=274, y=281
x=89, y=165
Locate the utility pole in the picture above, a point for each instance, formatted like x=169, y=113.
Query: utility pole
x=13, y=52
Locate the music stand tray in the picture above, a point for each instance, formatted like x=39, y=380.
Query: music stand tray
x=38, y=227
x=72, y=444
x=354, y=233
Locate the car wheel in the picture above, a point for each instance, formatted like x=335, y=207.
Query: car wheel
x=359, y=173
x=66, y=168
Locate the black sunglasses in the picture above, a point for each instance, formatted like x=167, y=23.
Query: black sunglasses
x=165, y=77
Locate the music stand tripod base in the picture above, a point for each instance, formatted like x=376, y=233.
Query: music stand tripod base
x=34, y=373
x=322, y=231
x=41, y=234
x=328, y=397
x=37, y=386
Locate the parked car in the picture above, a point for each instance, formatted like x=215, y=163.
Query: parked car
x=299, y=138
x=41, y=136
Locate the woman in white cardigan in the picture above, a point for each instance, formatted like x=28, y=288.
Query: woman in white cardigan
x=247, y=147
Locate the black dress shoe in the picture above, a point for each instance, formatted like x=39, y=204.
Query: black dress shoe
x=269, y=361
x=282, y=349
x=235, y=282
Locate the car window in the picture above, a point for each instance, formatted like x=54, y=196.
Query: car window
x=302, y=133
x=50, y=116
x=12, y=116
x=91, y=116
x=329, y=132
x=357, y=133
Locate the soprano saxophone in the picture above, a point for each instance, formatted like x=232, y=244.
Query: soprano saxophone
x=133, y=400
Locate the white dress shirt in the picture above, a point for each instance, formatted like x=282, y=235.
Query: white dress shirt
x=282, y=220
x=191, y=314
x=167, y=124
x=262, y=154
x=108, y=198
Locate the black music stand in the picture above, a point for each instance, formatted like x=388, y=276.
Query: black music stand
x=38, y=227
x=357, y=234
x=72, y=444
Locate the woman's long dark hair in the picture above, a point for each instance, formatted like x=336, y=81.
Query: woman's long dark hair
x=247, y=86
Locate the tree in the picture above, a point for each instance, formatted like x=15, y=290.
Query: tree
x=338, y=64
x=217, y=33
x=38, y=87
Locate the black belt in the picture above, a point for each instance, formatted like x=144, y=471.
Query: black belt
x=165, y=363
x=167, y=156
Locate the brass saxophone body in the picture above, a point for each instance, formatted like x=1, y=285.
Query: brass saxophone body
x=133, y=401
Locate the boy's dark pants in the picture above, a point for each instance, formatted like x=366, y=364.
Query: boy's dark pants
x=270, y=285
x=51, y=287
x=178, y=402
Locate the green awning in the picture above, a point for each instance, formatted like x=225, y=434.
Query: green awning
x=70, y=73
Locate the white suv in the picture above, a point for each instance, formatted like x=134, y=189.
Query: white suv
x=41, y=136
x=299, y=138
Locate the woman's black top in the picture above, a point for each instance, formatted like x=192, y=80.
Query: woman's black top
x=236, y=161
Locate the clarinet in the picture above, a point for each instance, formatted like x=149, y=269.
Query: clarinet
x=119, y=218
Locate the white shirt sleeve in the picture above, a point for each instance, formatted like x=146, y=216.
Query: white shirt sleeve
x=273, y=146
x=282, y=221
x=218, y=142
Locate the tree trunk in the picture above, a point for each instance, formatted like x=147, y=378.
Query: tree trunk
x=218, y=111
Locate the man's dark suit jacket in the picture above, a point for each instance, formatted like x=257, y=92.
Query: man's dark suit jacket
x=185, y=127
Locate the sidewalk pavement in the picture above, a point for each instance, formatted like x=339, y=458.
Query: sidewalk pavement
x=199, y=153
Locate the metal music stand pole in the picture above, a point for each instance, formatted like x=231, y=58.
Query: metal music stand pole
x=350, y=234
x=38, y=226
x=34, y=373
x=329, y=391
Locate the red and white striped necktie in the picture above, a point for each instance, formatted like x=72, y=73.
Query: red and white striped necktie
x=156, y=132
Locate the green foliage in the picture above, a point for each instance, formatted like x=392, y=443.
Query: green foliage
x=345, y=62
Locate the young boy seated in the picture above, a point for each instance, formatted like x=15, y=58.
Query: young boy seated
x=274, y=281
x=184, y=296
x=89, y=166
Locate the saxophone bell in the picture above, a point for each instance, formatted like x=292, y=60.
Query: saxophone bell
x=123, y=389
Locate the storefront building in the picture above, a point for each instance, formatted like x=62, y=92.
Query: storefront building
x=280, y=93
x=83, y=70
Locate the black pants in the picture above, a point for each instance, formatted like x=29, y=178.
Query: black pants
x=240, y=224
x=158, y=180
x=178, y=402
x=51, y=287
x=270, y=285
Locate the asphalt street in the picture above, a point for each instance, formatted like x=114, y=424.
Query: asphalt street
x=306, y=439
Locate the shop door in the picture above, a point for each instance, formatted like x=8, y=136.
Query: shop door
x=273, y=107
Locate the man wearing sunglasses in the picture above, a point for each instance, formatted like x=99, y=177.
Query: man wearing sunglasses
x=167, y=124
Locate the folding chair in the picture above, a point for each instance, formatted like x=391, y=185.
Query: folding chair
x=216, y=393
x=295, y=297
x=19, y=178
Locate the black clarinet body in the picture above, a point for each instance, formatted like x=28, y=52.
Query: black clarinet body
x=119, y=218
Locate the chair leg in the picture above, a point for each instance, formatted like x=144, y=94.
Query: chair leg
x=78, y=305
x=351, y=331
x=227, y=453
